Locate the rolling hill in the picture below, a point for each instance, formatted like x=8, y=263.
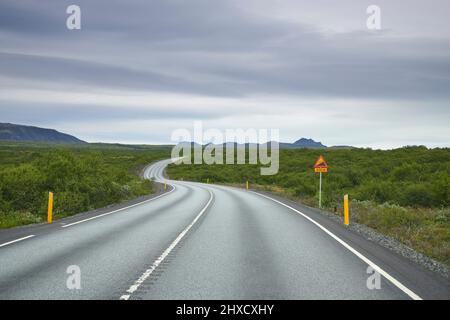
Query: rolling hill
x=16, y=132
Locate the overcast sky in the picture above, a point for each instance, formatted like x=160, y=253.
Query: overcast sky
x=137, y=70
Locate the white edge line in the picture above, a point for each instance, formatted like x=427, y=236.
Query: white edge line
x=394, y=281
x=161, y=258
x=114, y=211
x=17, y=240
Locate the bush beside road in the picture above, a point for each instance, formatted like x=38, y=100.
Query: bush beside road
x=82, y=178
x=403, y=193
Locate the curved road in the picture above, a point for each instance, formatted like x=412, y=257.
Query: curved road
x=202, y=241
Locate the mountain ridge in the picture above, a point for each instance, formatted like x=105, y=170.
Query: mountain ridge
x=18, y=132
x=300, y=143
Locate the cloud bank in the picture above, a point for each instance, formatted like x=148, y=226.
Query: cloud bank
x=139, y=69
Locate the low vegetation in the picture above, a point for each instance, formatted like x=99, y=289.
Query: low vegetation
x=82, y=178
x=404, y=193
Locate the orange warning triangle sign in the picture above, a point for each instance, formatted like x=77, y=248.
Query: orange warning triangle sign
x=321, y=163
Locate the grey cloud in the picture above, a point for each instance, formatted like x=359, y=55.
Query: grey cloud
x=32, y=17
x=19, y=112
x=73, y=71
x=219, y=48
x=298, y=58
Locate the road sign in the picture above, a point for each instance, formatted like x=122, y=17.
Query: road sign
x=321, y=165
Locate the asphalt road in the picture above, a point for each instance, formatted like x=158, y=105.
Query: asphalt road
x=202, y=241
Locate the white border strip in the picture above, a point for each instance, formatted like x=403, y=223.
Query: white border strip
x=161, y=258
x=17, y=240
x=359, y=255
x=107, y=213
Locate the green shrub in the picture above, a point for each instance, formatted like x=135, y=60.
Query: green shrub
x=404, y=193
x=81, y=179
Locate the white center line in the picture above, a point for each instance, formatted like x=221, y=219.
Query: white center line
x=394, y=281
x=161, y=258
x=17, y=240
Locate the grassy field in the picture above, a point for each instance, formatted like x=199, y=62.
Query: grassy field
x=82, y=177
x=403, y=193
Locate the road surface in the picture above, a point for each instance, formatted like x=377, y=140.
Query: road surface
x=203, y=241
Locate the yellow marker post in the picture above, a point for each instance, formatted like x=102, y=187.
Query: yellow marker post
x=346, y=214
x=165, y=185
x=50, y=208
x=246, y=185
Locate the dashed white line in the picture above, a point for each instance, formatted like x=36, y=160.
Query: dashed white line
x=17, y=240
x=390, y=278
x=99, y=216
x=161, y=258
x=114, y=211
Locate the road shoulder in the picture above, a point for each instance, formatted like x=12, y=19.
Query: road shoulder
x=426, y=283
x=11, y=234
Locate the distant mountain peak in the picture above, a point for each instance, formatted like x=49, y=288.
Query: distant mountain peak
x=17, y=132
x=301, y=143
x=308, y=143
